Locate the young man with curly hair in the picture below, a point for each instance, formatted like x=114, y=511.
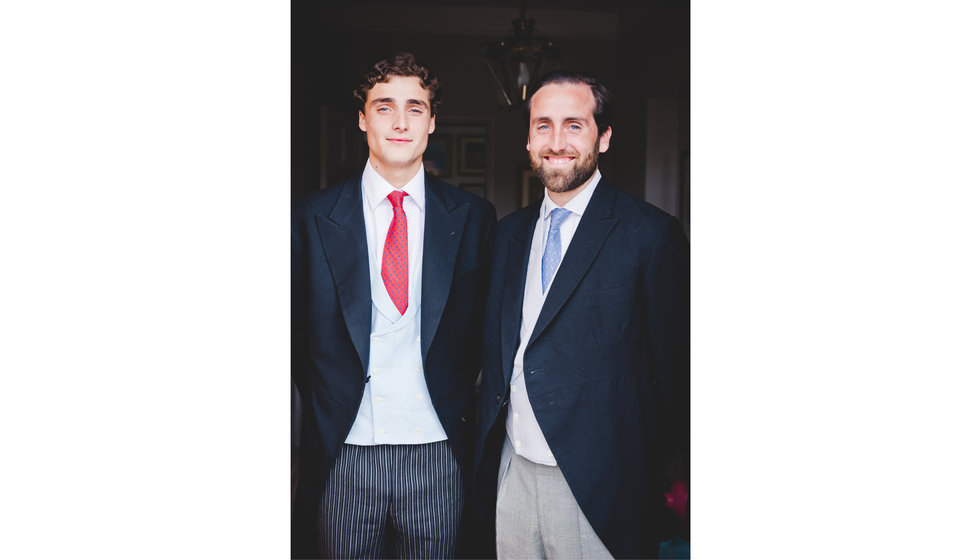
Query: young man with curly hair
x=389, y=272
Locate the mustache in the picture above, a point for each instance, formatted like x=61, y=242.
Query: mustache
x=563, y=153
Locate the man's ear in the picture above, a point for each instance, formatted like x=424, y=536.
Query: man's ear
x=360, y=121
x=604, y=140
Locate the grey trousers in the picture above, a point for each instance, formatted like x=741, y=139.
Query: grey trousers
x=391, y=500
x=537, y=515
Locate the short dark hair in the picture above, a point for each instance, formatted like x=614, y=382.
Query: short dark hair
x=399, y=64
x=604, y=106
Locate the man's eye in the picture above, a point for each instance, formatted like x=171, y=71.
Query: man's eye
x=543, y=127
x=575, y=127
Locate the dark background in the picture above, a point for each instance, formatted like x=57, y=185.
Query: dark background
x=641, y=51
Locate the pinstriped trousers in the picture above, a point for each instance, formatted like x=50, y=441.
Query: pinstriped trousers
x=385, y=500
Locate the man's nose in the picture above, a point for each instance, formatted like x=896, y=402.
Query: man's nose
x=401, y=122
x=556, y=142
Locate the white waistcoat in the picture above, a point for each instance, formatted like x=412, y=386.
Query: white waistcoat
x=396, y=408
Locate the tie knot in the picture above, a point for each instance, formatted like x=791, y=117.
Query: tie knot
x=558, y=216
x=396, y=198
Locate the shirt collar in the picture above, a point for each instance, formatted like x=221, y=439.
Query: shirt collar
x=376, y=188
x=576, y=205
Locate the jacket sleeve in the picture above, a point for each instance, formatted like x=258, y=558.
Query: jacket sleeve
x=668, y=330
x=299, y=306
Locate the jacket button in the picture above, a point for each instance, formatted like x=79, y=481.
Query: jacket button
x=498, y=397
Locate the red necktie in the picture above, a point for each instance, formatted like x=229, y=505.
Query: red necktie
x=394, y=262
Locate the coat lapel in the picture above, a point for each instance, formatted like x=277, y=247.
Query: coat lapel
x=518, y=252
x=597, y=222
x=444, y=223
x=345, y=247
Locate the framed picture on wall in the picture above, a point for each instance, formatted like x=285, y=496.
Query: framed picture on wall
x=472, y=155
x=531, y=187
x=437, y=158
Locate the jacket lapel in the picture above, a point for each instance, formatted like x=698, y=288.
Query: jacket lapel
x=444, y=223
x=345, y=247
x=597, y=222
x=512, y=309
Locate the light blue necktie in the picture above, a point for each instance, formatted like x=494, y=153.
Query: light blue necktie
x=552, y=248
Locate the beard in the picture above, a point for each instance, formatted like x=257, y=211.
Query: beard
x=564, y=180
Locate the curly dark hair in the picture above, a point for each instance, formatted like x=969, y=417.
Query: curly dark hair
x=399, y=64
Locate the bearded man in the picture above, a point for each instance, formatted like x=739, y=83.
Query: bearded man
x=586, y=360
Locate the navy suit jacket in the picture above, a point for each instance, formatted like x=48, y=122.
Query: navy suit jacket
x=331, y=322
x=607, y=367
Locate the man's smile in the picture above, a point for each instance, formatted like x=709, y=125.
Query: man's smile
x=559, y=161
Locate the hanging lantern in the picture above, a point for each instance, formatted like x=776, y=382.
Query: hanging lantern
x=517, y=61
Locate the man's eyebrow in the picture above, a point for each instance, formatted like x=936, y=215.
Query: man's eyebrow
x=382, y=100
x=565, y=120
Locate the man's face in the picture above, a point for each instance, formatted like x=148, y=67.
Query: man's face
x=398, y=122
x=564, y=143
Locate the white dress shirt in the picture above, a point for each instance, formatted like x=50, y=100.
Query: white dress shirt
x=522, y=427
x=395, y=408
x=378, y=213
